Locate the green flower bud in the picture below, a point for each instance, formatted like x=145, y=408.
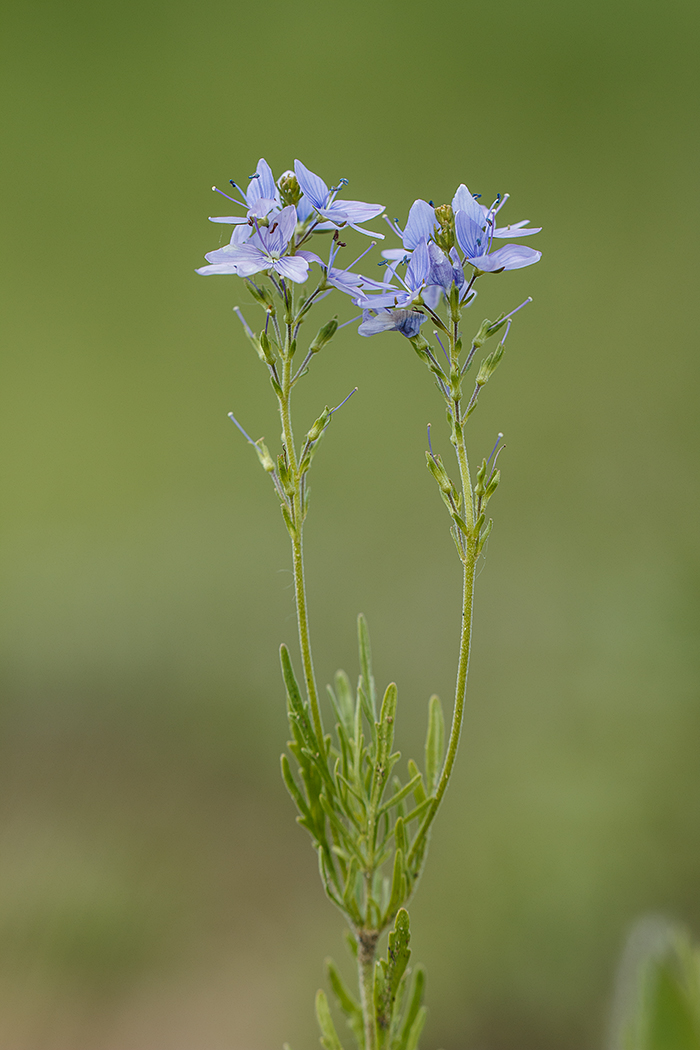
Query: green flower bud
x=266, y=349
x=264, y=456
x=439, y=473
x=262, y=296
x=324, y=335
x=290, y=190
x=445, y=236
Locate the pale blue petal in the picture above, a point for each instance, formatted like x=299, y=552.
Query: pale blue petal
x=470, y=236
x=511, y=257
x=420, y=224
x=355, y=211
x=432, y=295
x=313, y=186
x=464, y=201
x=419, y=267
x=516, y=229
x=292, y=267
x=228, y=219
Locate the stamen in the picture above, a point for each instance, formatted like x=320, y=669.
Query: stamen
x=441, y=346
x=493, y=450
x=240, y=190
x=393, y=225
x=248, y=330
x=510, y=321
x=255, y=175
x=346, y=399
x=373, y=244
x=528, y=300
x=217, y=190
x=429, y=444
x=243, y=432
x=351, y=321
x=503, y=200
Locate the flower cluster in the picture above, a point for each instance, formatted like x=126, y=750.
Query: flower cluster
x=438, y=245
x=280, y=217
x=433, y=239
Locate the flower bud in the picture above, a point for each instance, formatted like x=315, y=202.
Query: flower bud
x=290, y=190
x=324, y=335
x=445, y=236
x=264, y=456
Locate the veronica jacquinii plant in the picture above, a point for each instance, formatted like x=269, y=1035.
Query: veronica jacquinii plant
x=369, y=828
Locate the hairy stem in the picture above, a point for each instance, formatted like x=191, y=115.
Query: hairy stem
x=297, y=541
x=366, y=954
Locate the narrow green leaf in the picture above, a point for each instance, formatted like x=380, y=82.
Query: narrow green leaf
x=398, y=885
x=418, y=811
x=412, y=785
x=416, y=1029
x=351, y=943
x=412, y=1009
x=329, y=1037
x=297, y=708
x=366, y=663
x=400, y=837
x=419, y=790
x=434, y=743
x=293, y=789
x=384, y=760
x=346, y=1002
x=398, y=954
x=346, y=703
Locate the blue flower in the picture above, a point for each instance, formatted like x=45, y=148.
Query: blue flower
x=263, y=250
x=337, y=212
x=261, y=197
x=475, y=237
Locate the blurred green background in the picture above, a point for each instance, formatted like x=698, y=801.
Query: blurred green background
x=155, y=893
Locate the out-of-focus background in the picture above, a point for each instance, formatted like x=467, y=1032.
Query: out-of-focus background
x=155, y=892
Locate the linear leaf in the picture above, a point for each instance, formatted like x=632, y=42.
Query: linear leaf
x=329, y=1037
x=366, y=663
x=434, y=743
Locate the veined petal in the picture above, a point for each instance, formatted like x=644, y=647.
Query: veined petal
x=511, y=257
x=464, y=201
x=516, y=229
x=355, y=211
x=262, y=186
x=420, y=224
x=419, y=267
x=310, y=257
x=275, y=237
x=470, y=236
x=361, y=229
x=312, y=185
x=292, y=267
x=217, y=268
x=373, y=324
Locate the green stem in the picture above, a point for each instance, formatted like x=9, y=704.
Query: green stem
x=469, y=563
x=366, y=953
x=297, y=542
